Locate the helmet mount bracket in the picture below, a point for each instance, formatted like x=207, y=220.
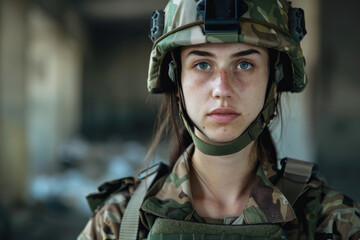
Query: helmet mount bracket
x=297, y=23
x=156, y=25
x=221, y=15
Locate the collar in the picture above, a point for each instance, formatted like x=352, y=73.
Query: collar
x=173, y=200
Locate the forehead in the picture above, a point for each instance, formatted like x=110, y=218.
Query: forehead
x=228, y=47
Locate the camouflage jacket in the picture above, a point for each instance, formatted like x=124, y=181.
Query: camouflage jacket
x=319, y=213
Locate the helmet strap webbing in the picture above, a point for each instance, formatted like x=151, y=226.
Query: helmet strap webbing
x=250, y=134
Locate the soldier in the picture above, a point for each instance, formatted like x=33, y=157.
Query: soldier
x=222, y=66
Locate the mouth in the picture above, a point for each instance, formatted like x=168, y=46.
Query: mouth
x=223, y=115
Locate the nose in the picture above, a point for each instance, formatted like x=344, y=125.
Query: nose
x=222, y=85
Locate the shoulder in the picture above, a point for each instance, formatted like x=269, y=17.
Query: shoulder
x=338, y=215
x=112, y=191
x=323, y=211
x=108, y=207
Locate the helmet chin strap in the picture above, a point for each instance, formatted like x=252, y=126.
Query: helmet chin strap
x=250, y=134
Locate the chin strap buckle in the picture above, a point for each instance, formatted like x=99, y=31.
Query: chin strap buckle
x=256, y=129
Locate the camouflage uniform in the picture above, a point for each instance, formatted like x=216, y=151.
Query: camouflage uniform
x=319, y=213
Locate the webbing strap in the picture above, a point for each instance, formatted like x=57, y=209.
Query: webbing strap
x=130, y=221
x=235, y=146
x=295, y=178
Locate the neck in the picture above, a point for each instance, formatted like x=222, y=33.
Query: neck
x=223, y=180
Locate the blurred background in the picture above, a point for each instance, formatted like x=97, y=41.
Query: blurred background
x=75, y=112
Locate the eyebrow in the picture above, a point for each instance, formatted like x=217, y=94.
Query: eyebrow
x=200, y=53
x=245, y=53
x=238, y=54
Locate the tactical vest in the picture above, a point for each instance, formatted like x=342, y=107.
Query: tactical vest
x=168, y=229
x=293, y=183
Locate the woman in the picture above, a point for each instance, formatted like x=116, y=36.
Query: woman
x=222, y=66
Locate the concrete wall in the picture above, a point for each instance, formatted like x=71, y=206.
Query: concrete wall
x=40, y=76
x=53, y=78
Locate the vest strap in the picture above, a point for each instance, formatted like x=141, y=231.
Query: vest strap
x=295, y=178
x=130, y=222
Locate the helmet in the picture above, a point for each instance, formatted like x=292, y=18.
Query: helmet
x=272, y=24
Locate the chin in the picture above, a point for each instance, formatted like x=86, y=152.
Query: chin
x=221, y=135
x=222, y=138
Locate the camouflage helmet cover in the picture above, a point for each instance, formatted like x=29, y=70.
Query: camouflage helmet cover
x=265, y=23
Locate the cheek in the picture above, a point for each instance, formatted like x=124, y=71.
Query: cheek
x=191, y=94
x=253, y=92
x=186, y=80
x=257, y=79
x=244, y=86
x=254, y=88
x=194, y=98
x=193, y=88
x=261, y=81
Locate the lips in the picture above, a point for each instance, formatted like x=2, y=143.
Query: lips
x=223, y=115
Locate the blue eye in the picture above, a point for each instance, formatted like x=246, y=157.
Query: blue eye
x=203, y=66
x=244, y=65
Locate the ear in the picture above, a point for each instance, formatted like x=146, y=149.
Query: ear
x=173, y=75
x=171, y=71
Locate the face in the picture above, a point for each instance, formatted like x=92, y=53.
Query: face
x=224, y=87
